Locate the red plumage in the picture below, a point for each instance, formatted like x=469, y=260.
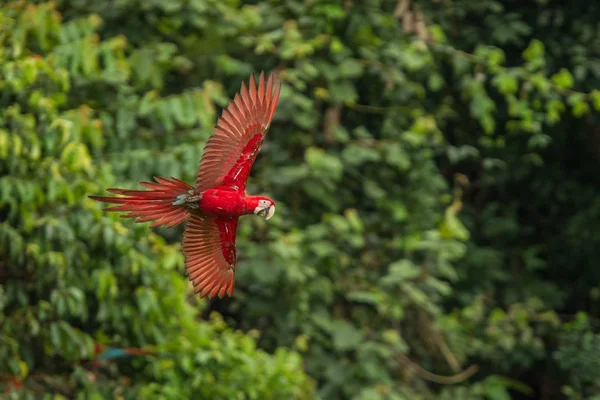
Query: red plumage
x=212, y=207
x=154, y=205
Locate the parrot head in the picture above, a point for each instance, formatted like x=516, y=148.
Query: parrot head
x=263, y=206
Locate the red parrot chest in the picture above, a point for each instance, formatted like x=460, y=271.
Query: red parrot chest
x=223, y=203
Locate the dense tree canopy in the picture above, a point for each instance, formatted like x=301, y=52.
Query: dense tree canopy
x=435, y=168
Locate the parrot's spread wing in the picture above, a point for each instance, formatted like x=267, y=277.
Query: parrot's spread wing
x=210, y=256
x=232, y=149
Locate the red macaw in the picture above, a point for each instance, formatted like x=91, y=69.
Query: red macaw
x=212, y=207
x=108, y=353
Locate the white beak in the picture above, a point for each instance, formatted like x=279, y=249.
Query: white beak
x=270, y=213
x=266, y=212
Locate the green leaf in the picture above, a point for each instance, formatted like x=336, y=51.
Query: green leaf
x=400, y=271
x=345, y=336
x=435, y=82
x=452, y=227
x=563, y=79
x=350, y=69
x=595, y=95
x=324, y=164
x=534, y=55
x=506, y=83
x=579, y=104
x=355, y=155
x=397, y=156
x=362, y=297
x=342, y=92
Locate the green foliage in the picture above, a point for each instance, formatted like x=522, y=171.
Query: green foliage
x=436, y=181
x=70, y=275
x=579, y=354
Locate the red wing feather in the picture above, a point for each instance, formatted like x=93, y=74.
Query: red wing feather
x=155, y=204
x=231, y=151
x=210, y=255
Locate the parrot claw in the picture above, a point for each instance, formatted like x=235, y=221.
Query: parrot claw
x=188, y=199
x=180, y=200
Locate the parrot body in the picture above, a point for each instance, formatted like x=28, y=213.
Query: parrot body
x=224, y=202
x=212, y=207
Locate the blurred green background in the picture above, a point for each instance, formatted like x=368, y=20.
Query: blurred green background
x=435, y=167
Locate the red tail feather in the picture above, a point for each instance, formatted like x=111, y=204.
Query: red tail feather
x=155, y=204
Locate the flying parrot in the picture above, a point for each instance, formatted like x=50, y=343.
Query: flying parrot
x=212, y=207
